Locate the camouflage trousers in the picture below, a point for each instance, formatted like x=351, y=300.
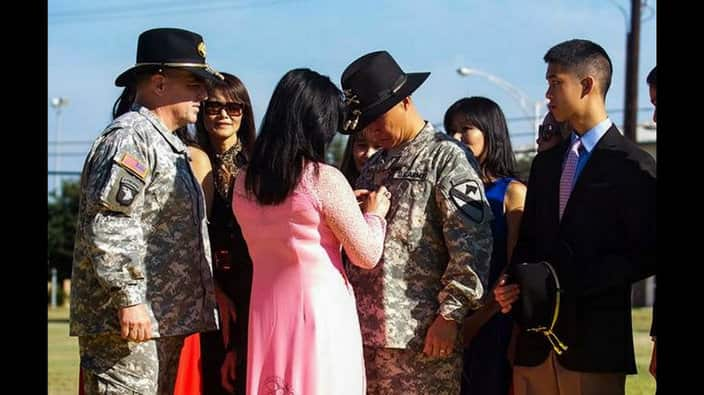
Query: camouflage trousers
x=113, y=365
x=393, y=371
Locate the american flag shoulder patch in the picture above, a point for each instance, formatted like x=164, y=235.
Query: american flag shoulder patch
x=133, y=165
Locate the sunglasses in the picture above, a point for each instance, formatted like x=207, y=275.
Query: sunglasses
x=215, y=108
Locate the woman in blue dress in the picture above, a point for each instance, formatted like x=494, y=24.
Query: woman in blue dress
x=480, y=124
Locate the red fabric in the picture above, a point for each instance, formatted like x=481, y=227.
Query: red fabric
x=80, y=382
x=188, y=377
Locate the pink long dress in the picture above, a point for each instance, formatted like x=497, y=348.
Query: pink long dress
x=304, y=336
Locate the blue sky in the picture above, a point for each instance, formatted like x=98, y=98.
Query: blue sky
x=90, y=43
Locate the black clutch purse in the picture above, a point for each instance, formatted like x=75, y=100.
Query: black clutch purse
x=538, y=306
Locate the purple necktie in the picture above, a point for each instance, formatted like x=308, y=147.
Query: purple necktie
x=568, y=175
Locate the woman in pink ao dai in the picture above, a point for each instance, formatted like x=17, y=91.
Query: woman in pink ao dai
x=296, y=213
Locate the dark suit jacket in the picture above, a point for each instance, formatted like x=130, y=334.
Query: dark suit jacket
x=604, y=243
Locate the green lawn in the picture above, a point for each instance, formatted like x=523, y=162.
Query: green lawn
x=642, y=383
x=63, y=355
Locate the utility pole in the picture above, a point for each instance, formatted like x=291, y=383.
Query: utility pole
x=54, y=286
x=632, y=48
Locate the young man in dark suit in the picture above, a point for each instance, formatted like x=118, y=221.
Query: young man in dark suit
x=590, y=212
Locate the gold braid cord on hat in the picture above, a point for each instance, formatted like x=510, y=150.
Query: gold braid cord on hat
x=214, y=72
x=226, y=166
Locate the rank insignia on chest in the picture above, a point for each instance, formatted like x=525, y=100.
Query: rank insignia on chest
x=467, y=196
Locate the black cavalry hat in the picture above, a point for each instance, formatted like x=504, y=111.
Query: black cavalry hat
x=373, y=84
x=169, y=47
x=538, y=307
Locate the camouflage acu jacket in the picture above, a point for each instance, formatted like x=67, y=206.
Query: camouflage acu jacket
x=142, y=233
x=438, y=241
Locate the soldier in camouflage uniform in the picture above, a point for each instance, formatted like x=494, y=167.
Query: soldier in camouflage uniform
x=142, y=276
x=438, y=243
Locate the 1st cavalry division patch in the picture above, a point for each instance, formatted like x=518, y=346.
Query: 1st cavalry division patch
x=468, y=198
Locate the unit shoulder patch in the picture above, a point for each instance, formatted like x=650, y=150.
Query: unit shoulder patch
x=467, y=196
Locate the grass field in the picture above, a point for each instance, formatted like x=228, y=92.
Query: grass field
x=642, y=383
x=63, y=355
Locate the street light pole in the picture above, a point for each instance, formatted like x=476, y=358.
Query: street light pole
x=632, y=47
x=58, y=103
x=522, y=98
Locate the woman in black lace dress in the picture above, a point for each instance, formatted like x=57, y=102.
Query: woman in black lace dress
x=225, y=132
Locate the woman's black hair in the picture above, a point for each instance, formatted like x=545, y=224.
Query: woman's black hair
x=486, y=115
x=124, y=102
x=652, y=77
x=347, y=166
x=305, y=111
